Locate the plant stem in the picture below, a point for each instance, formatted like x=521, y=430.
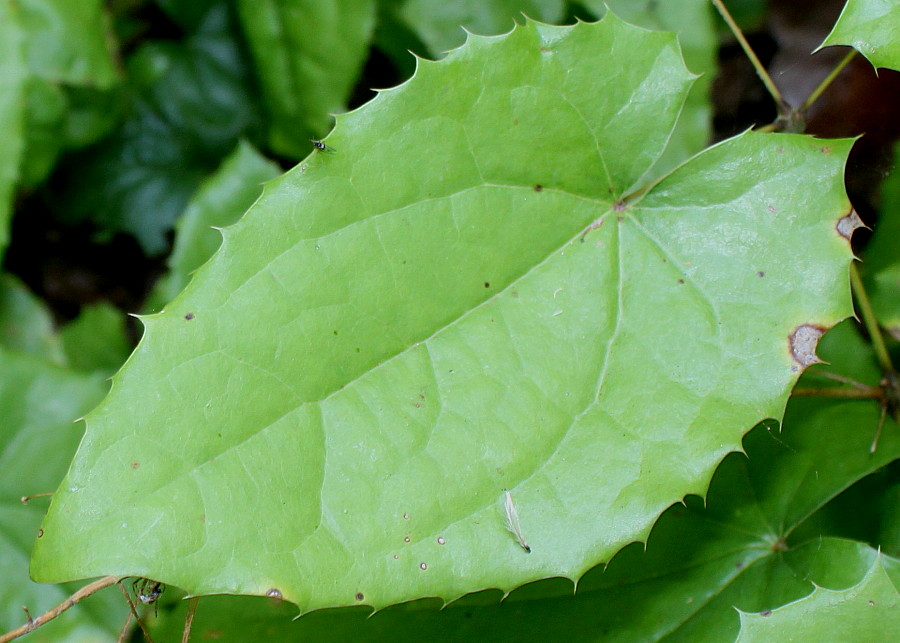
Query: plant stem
x=868, y=317
x=868, y=393
x=760, y=70
x=49, y=615
x=189, y=619
x=825, y=83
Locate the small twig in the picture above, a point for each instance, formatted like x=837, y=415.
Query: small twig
x=25, y=499
x=868, y=393
x=51, y=614
x=838, y=378
x=812, y=98
x=874, y=446
x=757, y=65
x=125, y=629
x=868, y=317
x=189, y=619
x=137, y=616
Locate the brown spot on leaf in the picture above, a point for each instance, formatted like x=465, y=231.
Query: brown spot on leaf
x=135, y=464
x=189, y=316
x=803, y=343
x=760, y=274
x=825, y=149
x=359, y=596
x=538, y=188
x=487, y=284
x=681, y=281
x=771, y=208
x=619, y=206
x=846, y=225
x=766, y=613
x=40, y=533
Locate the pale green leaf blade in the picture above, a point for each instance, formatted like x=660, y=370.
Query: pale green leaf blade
x=308, y=56
x=69, y=42
x=26, y=325
x=97, y=340
x=40, y=402
x=404, y=327
x=693, y=21
x=13, y=74
x=441, y=24
x=869, y=611
x=872, y=27
x=219, y=202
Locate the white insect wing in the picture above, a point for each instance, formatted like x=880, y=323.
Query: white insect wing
x=512, y=521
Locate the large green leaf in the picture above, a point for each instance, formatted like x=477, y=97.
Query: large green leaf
x=221, y=201
x=309, y=55
x=13, y=74
x=872, y=27
x=462, y=298
x=746, y=547
x=692, y=20
x=869, y=611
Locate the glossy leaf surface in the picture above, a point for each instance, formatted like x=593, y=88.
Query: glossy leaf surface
x=872, y=27
x=869, y=611
x=747, y=548
x=408, y=324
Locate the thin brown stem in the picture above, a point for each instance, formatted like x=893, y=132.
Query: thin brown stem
x=26, y=499
x=837, y=378
x=189, y=619
x=877, y=437
x=757, y=65
x=868, y=393
x=137, y=616
x=869, y=319
x=812, y=98
x=84, y=592
x=126, y=629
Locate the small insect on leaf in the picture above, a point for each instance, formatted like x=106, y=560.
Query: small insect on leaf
x=319, y=145
x=512, y=521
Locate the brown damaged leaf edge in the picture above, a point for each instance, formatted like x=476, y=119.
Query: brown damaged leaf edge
x=803, y=343
x=847, y=224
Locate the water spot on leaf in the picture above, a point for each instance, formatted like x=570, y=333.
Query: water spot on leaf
x=406, y=540
x=405, y=516
x=423, y=566
x=396, y=557
x=40, y=533
x=441, y=540
x=803, y=343
x=846, y=225
x=359, y=596
x=274, y=593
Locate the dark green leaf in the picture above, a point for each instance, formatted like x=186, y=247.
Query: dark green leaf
x=872, y=27
x=96, y=341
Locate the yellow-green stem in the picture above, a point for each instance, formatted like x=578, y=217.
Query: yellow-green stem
x=812, y=98
x=760, y=70
x=868, y=317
